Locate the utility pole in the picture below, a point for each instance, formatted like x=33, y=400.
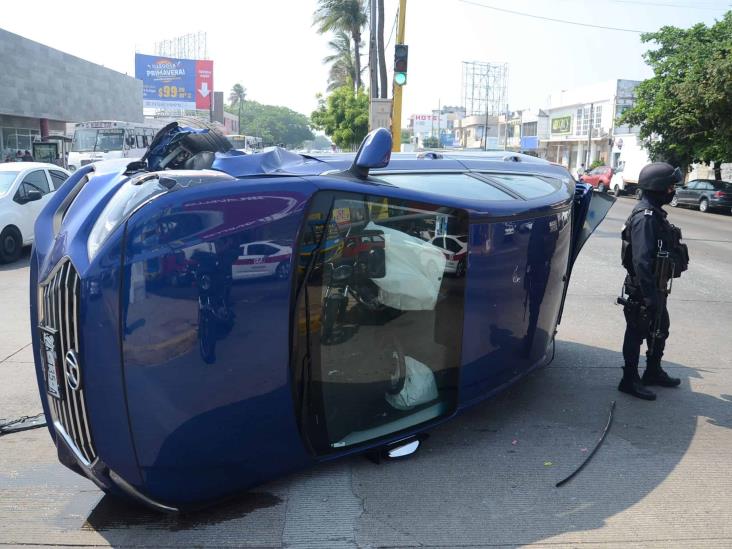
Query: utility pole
x=439, y=121
x=589, y=136
x=373, y=78
x=396, y=116
x=485, y=122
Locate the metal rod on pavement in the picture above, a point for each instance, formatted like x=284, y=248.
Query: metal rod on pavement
x=589, y=457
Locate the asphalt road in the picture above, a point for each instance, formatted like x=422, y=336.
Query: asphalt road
x=663, y=477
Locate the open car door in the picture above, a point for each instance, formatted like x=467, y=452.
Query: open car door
x=588, y=211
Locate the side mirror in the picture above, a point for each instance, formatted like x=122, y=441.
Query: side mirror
x=33, y=195
x=374, y=152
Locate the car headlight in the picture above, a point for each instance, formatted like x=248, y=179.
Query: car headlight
x=130, y=196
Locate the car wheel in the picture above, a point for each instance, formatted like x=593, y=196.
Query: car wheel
x=638, y=194
x=616, y=191
x=283, y=271
x=675, y=201
x=11, y=245
x=704, y=205
x=460, y=268
x=601, y=188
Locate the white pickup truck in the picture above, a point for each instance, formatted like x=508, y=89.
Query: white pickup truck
x=630, y=162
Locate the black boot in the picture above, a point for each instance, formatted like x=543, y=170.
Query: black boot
x=631, y=384
x=654, y=375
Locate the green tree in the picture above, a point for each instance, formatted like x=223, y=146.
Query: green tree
x=275, y=125
x=685, y=110
x=342, y=62
x=236, y=98
x=343, y=116
x=430, y=143
x=406, y=135
x=343, y=15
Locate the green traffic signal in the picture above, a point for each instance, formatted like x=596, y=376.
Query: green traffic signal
x=400, y=78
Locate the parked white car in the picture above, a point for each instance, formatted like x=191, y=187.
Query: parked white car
x=455, y=248
x=259, y=259
x=25, y=188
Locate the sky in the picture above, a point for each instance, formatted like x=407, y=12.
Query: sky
x=272, y=49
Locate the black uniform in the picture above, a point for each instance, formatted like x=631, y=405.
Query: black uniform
x=646, y=226
x=652, y=254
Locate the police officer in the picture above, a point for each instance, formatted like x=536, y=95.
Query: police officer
x=646, y=232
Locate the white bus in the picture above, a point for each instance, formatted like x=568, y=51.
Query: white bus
x=246, y=143
x=105, y=139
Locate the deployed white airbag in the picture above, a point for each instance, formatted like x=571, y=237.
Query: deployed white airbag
x=414, y=270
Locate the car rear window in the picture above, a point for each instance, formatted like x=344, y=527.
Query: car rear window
x=448, y=184
x=528, y=186
x=6, y=181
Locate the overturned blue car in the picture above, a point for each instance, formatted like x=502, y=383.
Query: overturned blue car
x=205, y=320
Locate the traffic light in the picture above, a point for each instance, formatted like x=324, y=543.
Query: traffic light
x=400, y=64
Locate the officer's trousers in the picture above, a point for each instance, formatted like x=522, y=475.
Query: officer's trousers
x=637, y=329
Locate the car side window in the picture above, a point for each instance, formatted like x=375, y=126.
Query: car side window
x=708, y=186
x=37, y=180
x=260, y=249
x=692, y=185
x=452, y=245
x=58, y=178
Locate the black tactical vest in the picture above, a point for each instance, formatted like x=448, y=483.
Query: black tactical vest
x=669, y=237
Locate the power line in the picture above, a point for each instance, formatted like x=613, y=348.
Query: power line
x=391, y=34
x=523, y=14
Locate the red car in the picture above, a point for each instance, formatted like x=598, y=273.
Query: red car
x=599, y=178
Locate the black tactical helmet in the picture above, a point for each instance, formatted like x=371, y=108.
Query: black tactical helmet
x=659, y=176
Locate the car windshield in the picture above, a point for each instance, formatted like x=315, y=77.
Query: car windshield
x=6, y=181
x=88, y=140
x=84, y=140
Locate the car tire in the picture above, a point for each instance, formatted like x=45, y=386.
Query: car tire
x=601, y=187
x=11, y=245
x=283, y=271
x=460, y=268
x=616, y=191
x=674, y=202
x=638, y=193
x=704, y=205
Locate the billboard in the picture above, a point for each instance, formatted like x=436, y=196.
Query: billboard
x=170, y=83
x=562, y=124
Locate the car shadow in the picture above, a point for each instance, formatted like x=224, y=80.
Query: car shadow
x=20, y=263
x=488, y=476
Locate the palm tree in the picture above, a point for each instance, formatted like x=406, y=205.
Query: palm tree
x=236, y=97
x=342, y=62
x=348, y=16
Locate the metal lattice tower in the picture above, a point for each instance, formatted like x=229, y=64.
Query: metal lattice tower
x=186, y=46
x=484, y=88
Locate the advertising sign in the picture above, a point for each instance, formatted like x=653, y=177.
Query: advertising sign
x=562, y=124
x=170, y=83
x=428, y=123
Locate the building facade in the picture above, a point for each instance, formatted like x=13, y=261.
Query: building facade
x=582, y=124
x=41, y=89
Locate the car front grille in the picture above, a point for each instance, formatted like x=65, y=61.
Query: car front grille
x=59, y=310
